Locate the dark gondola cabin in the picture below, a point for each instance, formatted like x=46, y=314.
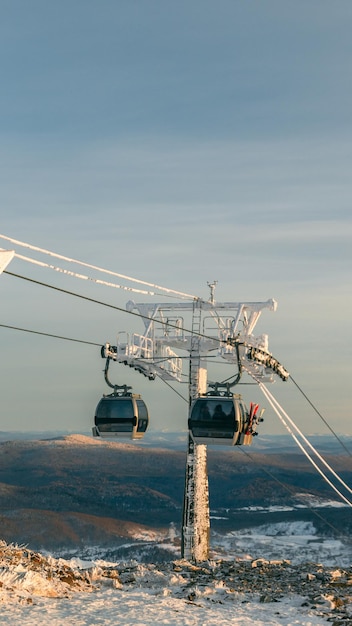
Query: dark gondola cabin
x=218, y=420
x=121, y=416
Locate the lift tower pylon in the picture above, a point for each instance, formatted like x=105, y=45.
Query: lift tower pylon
x=225, y=328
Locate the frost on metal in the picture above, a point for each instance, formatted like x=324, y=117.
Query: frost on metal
x=196, y=526
x=6, y=257
x=201, y=505
x=198, y=327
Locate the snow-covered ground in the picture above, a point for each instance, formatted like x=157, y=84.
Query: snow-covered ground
x=142, y=608
x=295, y=541
x=282, y=574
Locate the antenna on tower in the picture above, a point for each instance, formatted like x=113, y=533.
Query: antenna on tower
x=212, y=289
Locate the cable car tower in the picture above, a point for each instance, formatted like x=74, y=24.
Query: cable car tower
x=199, y=327
x=216, y=415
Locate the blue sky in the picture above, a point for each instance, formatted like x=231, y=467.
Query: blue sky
x=178, y=143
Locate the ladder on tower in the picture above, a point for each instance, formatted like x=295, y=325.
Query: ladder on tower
x=194, y=363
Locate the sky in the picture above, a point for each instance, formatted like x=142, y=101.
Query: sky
x=178, y=143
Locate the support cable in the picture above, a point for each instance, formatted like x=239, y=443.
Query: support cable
x=89, y=343
x=292, y=491
x=321, y=417
x=99, y=269
x=165, y=324
x=172, y=388
x=270, y=396
x=37, y=332
x=84, y=277
x=319, y=470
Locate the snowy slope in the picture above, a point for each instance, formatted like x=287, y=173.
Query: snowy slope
x=41, y=590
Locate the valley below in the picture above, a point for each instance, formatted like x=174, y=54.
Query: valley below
x=73, y=493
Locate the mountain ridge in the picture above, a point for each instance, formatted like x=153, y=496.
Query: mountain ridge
x=69, y=478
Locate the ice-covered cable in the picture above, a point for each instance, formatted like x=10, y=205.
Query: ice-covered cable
x=304, y=450
x=82, y=276
x=300, y=445
x=309, y=444
x=99, y=269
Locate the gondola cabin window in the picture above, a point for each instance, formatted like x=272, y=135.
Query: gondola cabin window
x=215, y=420
x=115, y=415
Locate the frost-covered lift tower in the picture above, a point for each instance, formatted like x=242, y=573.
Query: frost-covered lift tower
x=199, y=328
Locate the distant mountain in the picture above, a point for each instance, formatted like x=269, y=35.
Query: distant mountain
x=68, y=489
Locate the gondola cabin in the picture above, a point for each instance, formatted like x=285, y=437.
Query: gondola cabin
x=121, y=417
x=219, y=420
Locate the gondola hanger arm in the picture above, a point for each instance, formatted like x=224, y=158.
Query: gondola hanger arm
x=124, y=388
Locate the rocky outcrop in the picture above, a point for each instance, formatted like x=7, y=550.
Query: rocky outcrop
x=25, y=574
x=324, y=591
